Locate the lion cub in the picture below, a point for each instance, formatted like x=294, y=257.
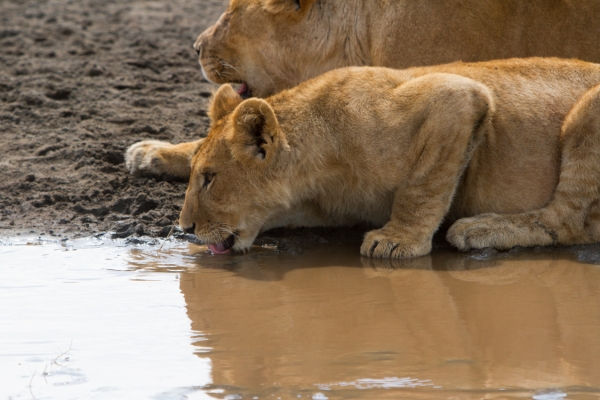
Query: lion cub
x=507, y=150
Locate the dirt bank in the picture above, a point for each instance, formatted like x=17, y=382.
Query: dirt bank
x=80, y=81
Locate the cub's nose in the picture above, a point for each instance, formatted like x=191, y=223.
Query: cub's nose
x=197, y=48
x=190, y=229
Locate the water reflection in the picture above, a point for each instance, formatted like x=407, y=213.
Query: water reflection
x=450, y=324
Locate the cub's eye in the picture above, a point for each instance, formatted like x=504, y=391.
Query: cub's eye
x=208, y=178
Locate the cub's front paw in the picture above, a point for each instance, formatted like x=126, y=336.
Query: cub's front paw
x=488, y=230
x=380, y=244
x=153, y=158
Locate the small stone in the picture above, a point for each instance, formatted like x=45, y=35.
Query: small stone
x=167, y=231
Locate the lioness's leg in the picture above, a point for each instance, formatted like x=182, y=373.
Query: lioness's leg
x=450, y=115
x=573, y=214
x=161, y=159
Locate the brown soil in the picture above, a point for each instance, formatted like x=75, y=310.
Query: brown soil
x=80, y=81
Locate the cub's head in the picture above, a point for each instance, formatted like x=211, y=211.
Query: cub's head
x=237, y=181
x=270, y=45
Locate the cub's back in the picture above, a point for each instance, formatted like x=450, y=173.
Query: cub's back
x=543, y=87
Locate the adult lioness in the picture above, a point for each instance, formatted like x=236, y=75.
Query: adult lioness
x=271, y=45
x=510, y=150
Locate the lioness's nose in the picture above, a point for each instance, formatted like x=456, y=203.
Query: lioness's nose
x=206, y=36
x=198, y=42
x=190, y=229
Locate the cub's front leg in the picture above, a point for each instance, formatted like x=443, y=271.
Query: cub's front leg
x=447, y=116
x=161, y=159
x=417, y=213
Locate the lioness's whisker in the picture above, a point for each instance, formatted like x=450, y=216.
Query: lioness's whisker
x=226, y=74
x=223, y=63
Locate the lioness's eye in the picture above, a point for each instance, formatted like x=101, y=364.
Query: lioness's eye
x=208, y=178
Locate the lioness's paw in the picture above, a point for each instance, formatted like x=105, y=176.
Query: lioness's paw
x=378, y=244
x=486, y=230
x=145, y=158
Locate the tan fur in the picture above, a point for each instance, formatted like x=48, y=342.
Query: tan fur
x=276, y=44
x=161, y=159
x=507, y=150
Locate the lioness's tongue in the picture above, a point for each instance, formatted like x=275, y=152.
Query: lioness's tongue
x=244, y=90
x=219, y=248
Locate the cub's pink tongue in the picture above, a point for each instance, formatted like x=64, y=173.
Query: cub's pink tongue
x=219, y=248
x=222, y=247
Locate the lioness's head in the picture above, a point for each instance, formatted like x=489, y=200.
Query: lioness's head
x=237, y=182
x=271, y=45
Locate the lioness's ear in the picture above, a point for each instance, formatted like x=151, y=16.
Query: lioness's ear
x=287, y=6
x=224, y=101
x=256, y=137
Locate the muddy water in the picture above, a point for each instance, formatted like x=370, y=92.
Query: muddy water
x=97, y=319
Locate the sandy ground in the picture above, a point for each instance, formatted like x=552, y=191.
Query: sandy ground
x=80, y=81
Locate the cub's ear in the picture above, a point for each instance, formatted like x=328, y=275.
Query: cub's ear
x=224, y=101
x=256, y=138
x=287, y=6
